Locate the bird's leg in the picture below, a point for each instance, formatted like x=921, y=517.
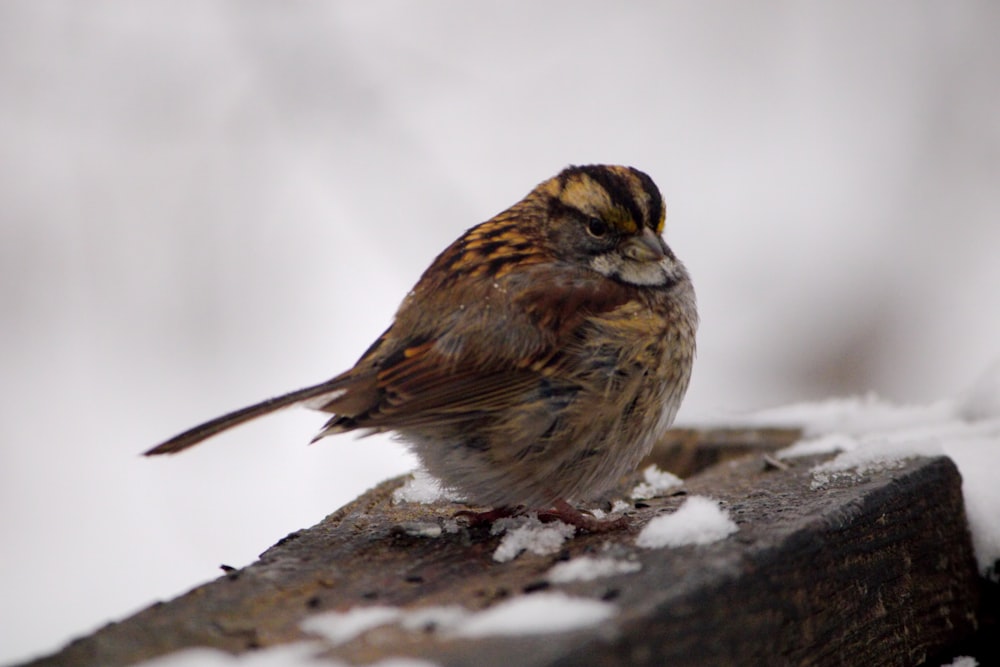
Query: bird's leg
x=560, y=511
x=563, y=511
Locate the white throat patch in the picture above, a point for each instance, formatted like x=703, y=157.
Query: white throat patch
x=613, y=265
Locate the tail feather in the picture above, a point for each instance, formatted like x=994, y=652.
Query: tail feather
x=191, y=437
x=341, y=424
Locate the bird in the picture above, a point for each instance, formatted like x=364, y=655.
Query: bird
x=537, y=359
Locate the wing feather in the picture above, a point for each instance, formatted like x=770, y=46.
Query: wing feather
x=430, y=381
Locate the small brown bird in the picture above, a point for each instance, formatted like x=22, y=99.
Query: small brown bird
x=538, y=358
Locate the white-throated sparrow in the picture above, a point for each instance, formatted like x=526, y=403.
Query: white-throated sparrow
x=537, y=359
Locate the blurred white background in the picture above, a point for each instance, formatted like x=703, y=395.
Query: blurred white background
x=203, y=204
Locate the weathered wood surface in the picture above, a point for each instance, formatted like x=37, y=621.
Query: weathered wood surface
x=687, y=451
x=876, y=572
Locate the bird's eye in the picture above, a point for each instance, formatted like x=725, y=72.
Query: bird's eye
x=597, y=227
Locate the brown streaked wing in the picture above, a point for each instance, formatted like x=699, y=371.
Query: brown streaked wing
x=421, y=385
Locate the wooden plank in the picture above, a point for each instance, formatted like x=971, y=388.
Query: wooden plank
x=688, y=451
x=876, y=571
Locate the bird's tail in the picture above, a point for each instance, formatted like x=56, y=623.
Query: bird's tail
x=330, y=389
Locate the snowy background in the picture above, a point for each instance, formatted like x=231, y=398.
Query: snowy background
x=203, y=204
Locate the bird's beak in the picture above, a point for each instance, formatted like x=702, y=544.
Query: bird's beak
x=647, y=247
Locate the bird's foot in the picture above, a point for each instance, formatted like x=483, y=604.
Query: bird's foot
x=489, y=516
x=563, y=511
x=560, y=511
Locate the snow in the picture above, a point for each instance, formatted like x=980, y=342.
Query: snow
x=982, y=399
x=852, y=415
x=540, y=613
x=588, y=568
x=830, y=443
x=872, y=434
x=655, y=483
x=858, y=461
x=963, y=661
x=527, y=533
x=618, y=506
x=292, y=655
x=977, y=461
x=299, y=654
x=433, y=618
x=699, y=520
x=423, y=489
x=421, y=528
x=339, y=627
